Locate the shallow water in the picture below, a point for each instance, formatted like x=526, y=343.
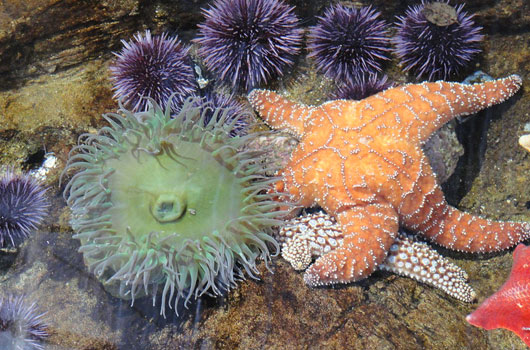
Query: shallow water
x=54, y=69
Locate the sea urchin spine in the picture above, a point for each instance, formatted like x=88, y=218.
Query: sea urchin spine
x=362, y=88
x=434, y=48
x=21, y=326
x=155, y=66
x=348, y=43
x=231, y=107
x=23, y=205
x=248, y=42
x=171, y=202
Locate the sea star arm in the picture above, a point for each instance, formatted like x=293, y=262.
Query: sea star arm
x=309, y=236
x=369, y=231
x=278, y=112
x=457, y=230
x=424, y=210
x=421, y=109
x=411, y=258
x=508, y=307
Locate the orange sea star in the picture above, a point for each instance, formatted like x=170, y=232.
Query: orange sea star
x=362, y=162
x=312, y=235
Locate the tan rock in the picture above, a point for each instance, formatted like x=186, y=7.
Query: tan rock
x=525, y=142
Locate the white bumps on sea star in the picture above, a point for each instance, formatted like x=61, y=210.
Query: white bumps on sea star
x=310, y=236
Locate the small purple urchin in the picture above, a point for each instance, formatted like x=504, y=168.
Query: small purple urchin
x=367, y=85
x=348, y=43
x=436, y=50
x=23, y=205
x=152, y=66
x=229, y=109
x=21, y=326
x=248, y=42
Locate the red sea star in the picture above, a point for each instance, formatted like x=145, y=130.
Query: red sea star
x=362, y=162
x=509, y=307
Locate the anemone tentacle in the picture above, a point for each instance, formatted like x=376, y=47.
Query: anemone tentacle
x=177, y=202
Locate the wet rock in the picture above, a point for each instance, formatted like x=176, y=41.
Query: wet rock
x=53, y=69
x=281, y=312
x=45, y=36
x=443, y=150
x=47, y=113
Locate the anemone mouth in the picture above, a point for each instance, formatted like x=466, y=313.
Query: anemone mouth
x=168, y=207
x=171, y=202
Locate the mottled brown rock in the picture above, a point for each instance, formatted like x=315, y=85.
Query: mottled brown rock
x=48, y=112
x=385, y=312
x=501, y=188
x=43, y=36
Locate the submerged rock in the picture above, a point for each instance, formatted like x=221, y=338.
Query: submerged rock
x=53, y=66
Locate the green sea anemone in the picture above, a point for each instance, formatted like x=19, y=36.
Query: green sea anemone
x=170, y=202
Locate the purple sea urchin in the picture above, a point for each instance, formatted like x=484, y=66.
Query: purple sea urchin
x=248, y=42
x=21, y=325
x=171, y=202
x=23, y=205
x=348, y=42
x=367, y=85
x=152, y=66
x=212, y=102
x=433, y=48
